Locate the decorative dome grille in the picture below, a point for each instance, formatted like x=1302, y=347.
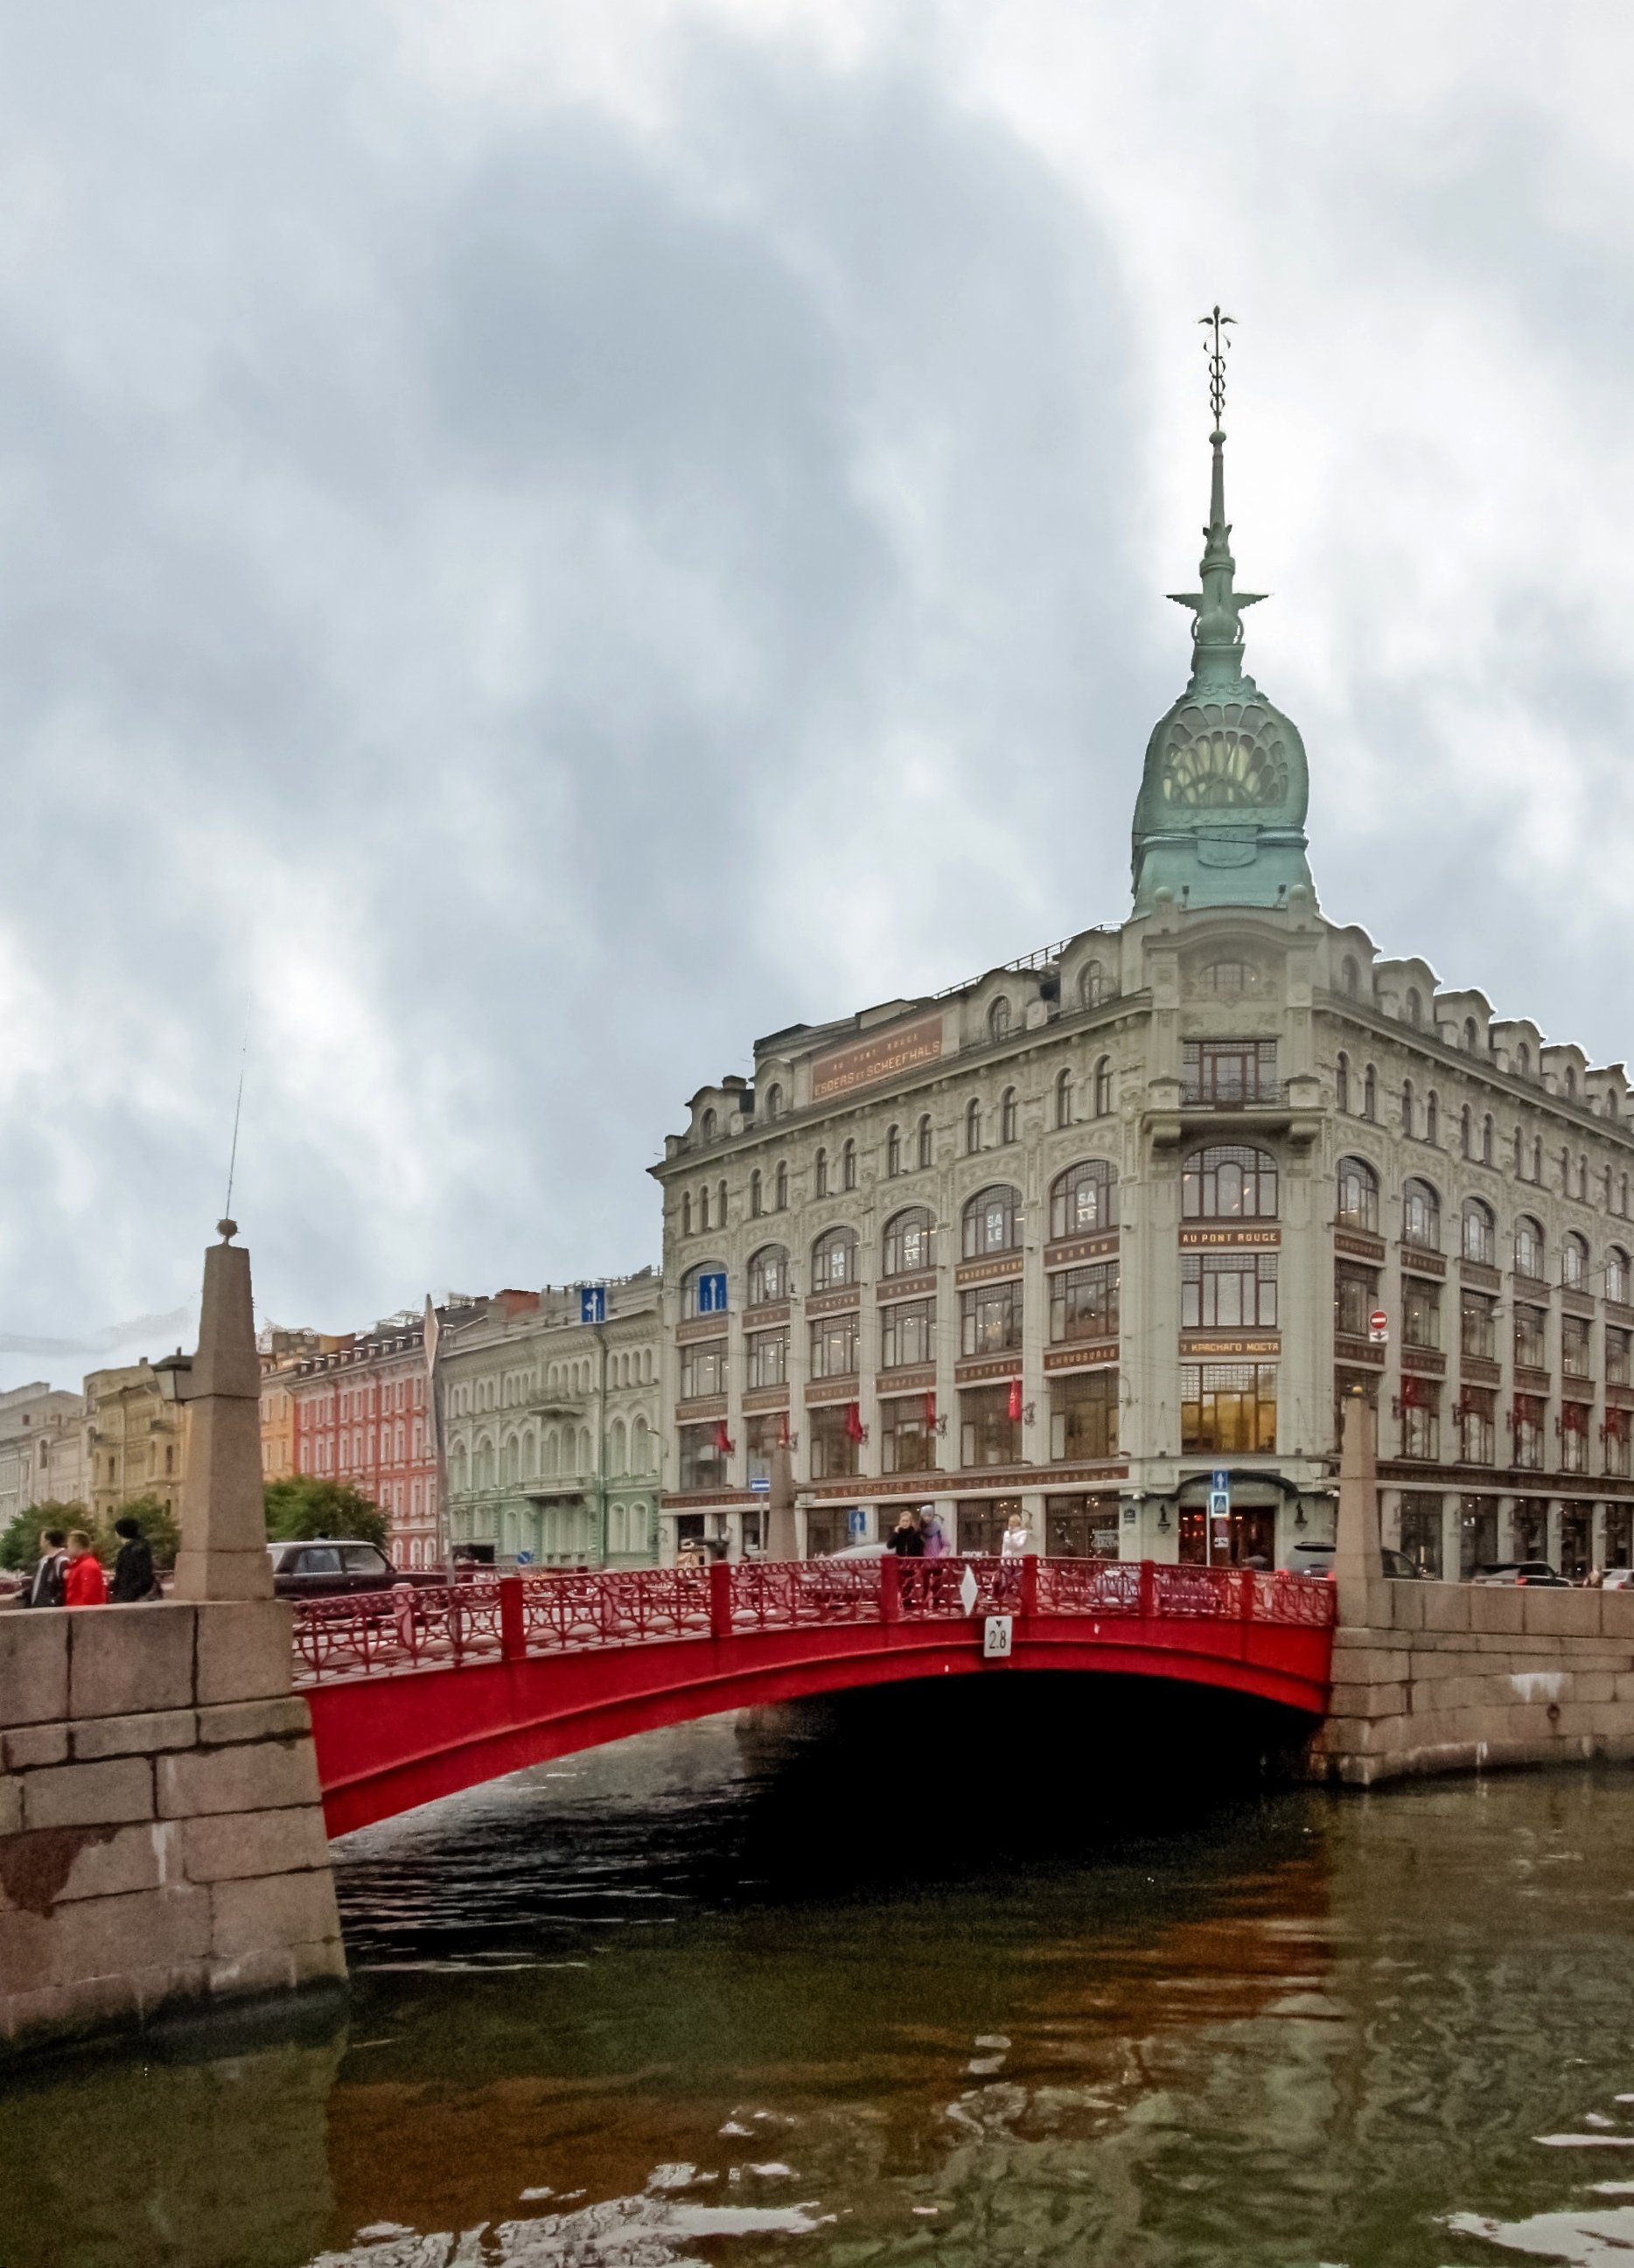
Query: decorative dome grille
x=1224, y=754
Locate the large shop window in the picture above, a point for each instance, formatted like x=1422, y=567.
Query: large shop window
x=1229, y=1182
x=1084, y=1303
x=702, y=1461
x=834, y=1259
x=768, y=1275
x=1480, y=1233
x=1477, y=1426
x=1616, y=1269
x=1421, y=1313
x=1420, y=1406
x=990, y=1318
x=1573, y=1261
x=1576, y=1357
x=1421, y=1216
x=1354, y=1296
x=1477, y=1535
x=1228, y=1072
x=1420, y=1532
x=988, y=1434
x=1227, y=1405
x=833, y=1442
x=909, y=1242
x=703, y=1368
x=1529, y=1418
x=1358, y=1195
x=1227, y=1291
x=1084, y=1416
x=834, y=1346
x=907, y=1334
x=1531, y=1338
x=992, y=1221
x=1081, y=1526
x=1477, y=1326
x=906, y=1439
x=768, y=1358
x=1084, y=1199
x=1528, y=1248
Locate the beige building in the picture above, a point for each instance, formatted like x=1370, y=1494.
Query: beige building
x=1090, y=1229
x=42, y=1449
x=551, y=1424
x=136, y=1441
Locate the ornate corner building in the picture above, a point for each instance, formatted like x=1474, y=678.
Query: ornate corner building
x=1075, y=1236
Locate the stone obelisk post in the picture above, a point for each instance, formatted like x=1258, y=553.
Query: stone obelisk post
x=781, y=1542
x=224, y=1525
x=1357, y=1559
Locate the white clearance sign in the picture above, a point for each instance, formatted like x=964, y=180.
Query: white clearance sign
x=1378, y=1327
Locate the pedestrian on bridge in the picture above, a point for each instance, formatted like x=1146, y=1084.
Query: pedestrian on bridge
x=45, y=1585
x=905, y=1539
x=133, y=1578
x=84, y=1583
x=936, y=1543
x=1017, y=1542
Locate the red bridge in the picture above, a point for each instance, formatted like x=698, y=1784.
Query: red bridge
x=415, y=1694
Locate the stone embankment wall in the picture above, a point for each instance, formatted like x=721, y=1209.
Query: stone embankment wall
x=1440, y=1677
x=161, y=1837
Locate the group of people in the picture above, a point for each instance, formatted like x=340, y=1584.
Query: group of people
x=69, y=1574
x=922, y=1535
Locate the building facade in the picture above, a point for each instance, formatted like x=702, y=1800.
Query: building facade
x=42, y=1449
x=136, y=1441
x=360, y=1414
x=280, y=1351
x=551, y=1426
x=1086, y=1232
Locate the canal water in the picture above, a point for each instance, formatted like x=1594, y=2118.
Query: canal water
x=893, y=1985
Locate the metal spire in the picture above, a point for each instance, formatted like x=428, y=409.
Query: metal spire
x=1216, y=632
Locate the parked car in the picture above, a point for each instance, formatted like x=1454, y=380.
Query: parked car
x=1536, y=1571
x=1317, y=1559
x=1619, y=1579
x=859, y=1551
x=329, y=1568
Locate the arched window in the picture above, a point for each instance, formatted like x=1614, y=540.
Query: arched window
x=1582, y=1181
x=1573, y=1261
x=1229, y=979
x=774, y=1102
x=1358, y=1195
x=925, y=1141
x=1528, y=1248
x=685, y=1213
x=998, y=1019
x=640, y=1446
x=1520, y=1155
x=834, y=1259
x=1486, y=1139
x=973, y=1128
x=1523, y=1061
x=1007, y=1116
x=1611, y=1104
x=1571, y=1083
x=1472, y=1037
x=820, y=1174
x=782, y=1189
x=1369, y=1094
x=992, y=1221
x=894, y=1153
x=847, y=1166
x=1414, y=1006
x=1566, y=1171
x=1342, y=1082
x=703, y=1291
x=1064, y=1098
x=909, y=1242
x=617, y=1452
x=704, y=1209
x=720, y=1206
x=1083, y=1198
x=1103, y=1087
x=706, y=1126
x=1407, y=1109
x=755, y=1207
x=769, y=1275
x=1466, y=1132
x=1350, y=979
x=1432, y=1121
x=1094, y=986
x=1421, y=1216
x=1228, y=1181
x=1480, y=1233
x=1617, y=1275
x=1537, y=1160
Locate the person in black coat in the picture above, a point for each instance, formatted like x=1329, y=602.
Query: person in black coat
x=905, y=1538
x=133, y=1570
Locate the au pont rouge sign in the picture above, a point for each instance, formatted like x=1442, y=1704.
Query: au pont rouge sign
x=900, y=1047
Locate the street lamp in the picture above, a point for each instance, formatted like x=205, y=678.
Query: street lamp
x=174, y=1375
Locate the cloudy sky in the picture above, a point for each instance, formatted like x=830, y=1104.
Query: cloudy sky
x=539, y=541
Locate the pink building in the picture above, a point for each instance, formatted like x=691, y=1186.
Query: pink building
x=360, y=1416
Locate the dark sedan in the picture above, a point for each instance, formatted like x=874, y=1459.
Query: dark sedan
x=327, y=1569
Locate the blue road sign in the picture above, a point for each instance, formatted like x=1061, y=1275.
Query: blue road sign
x=856, y=1524
x=712, y=1294
x=1219, y=1503
x=763, y=1487
x=524, y=1558
x=1221, y=1482
x=592, y=1303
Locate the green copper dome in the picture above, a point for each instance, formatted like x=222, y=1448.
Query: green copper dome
x=1220, y=818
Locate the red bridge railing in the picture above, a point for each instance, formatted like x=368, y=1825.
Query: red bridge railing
x=506, y=1617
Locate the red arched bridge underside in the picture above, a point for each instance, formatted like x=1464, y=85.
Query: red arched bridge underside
x=418, y=1694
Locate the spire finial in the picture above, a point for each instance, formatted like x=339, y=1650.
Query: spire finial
x=1216, y=632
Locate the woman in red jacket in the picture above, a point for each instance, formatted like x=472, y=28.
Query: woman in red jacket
x=84, y=1583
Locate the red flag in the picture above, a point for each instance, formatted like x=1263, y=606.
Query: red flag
x=724, y=1441
x=929, y=1410
x=1015, y=1399
x=1410, y=1393
x=853, y=1422
x=782, y=1430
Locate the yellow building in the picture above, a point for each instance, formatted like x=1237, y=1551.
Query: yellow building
x=136, y=1442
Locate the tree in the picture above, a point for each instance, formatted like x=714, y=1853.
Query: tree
x=19, y=1544
x=157, y=1523
x=305, y=1505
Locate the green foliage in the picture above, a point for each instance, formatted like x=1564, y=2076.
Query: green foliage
x=157, y=1523
x=19, y=1544
x=305, y=1506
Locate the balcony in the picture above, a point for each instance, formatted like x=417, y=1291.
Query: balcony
x=1178, y=1110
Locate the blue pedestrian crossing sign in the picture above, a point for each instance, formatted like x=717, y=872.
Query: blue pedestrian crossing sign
x=592, y=1303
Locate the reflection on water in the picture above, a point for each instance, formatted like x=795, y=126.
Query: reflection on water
x=907, y=1983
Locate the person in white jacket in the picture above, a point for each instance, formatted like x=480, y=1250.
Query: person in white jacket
x=1018, y=1539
